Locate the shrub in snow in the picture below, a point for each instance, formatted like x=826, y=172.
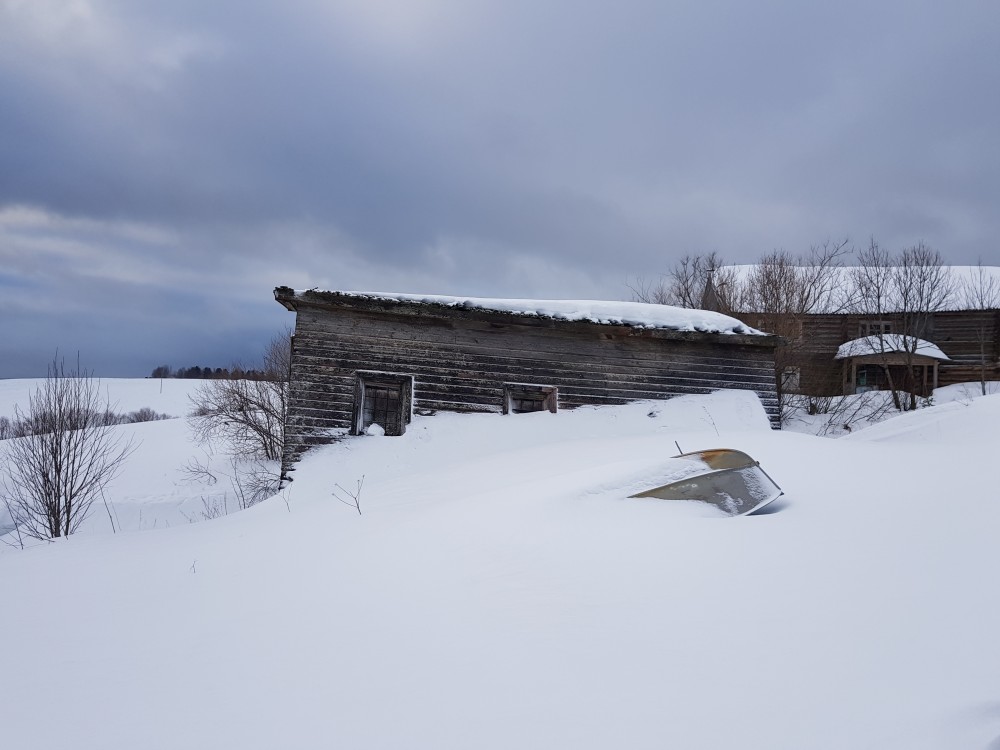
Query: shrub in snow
x=245, y=418
x=247, y=415
x=63, y=456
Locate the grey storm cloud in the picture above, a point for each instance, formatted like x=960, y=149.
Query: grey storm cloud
x=164, y=165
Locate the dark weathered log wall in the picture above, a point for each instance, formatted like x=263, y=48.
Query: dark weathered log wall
x=461, y=363
x=968, y=337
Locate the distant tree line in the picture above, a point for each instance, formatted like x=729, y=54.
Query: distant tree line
x=207, y=373
x=42, y=420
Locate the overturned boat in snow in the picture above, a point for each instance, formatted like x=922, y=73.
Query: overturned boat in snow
x=726, y=478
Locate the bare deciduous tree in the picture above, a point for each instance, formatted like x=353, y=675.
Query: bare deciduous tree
x=63, y=456
x=245, y=419
x=652, y=292
x=923, y=285
x=781, y=284
x=248, y=414
x=908, y=287
x=782, y=290
x=981, y=291
x=684, y=285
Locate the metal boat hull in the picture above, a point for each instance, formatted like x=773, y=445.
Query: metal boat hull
x=726, y=478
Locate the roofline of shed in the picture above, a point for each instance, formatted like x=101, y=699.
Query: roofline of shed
x=292, y=301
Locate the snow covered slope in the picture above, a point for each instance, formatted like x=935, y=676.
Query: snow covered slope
x=167, y=396
x=153, y=489
x=956, y=422
x=500, y=590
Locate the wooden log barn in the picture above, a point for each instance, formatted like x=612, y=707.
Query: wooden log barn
x=967, y=341
x=364, y=359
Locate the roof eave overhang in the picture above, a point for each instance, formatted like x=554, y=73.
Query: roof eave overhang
x=892, y=358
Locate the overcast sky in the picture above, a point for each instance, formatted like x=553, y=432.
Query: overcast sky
x=165, y=165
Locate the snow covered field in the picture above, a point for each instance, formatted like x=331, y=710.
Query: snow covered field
x=499, y=590
x=152, y=491
x=167, y=396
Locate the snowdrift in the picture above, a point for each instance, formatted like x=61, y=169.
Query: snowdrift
x=499, y=589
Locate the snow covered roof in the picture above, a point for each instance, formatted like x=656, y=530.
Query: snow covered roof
x=634, y=314
x=888, y=343
x=844, y=285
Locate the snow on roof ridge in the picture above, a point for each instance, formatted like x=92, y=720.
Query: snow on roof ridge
x=635, y=314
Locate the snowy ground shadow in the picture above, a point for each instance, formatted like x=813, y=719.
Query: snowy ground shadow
x=776, y=507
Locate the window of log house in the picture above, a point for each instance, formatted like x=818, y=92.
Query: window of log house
x=874, y=327
x=791, y=378
x=522, y=399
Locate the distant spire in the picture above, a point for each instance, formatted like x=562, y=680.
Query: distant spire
x=710, y=296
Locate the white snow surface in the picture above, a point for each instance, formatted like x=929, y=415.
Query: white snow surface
x=636, y=314
x=500, y=590
x=889, y=343
x=167, y=396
